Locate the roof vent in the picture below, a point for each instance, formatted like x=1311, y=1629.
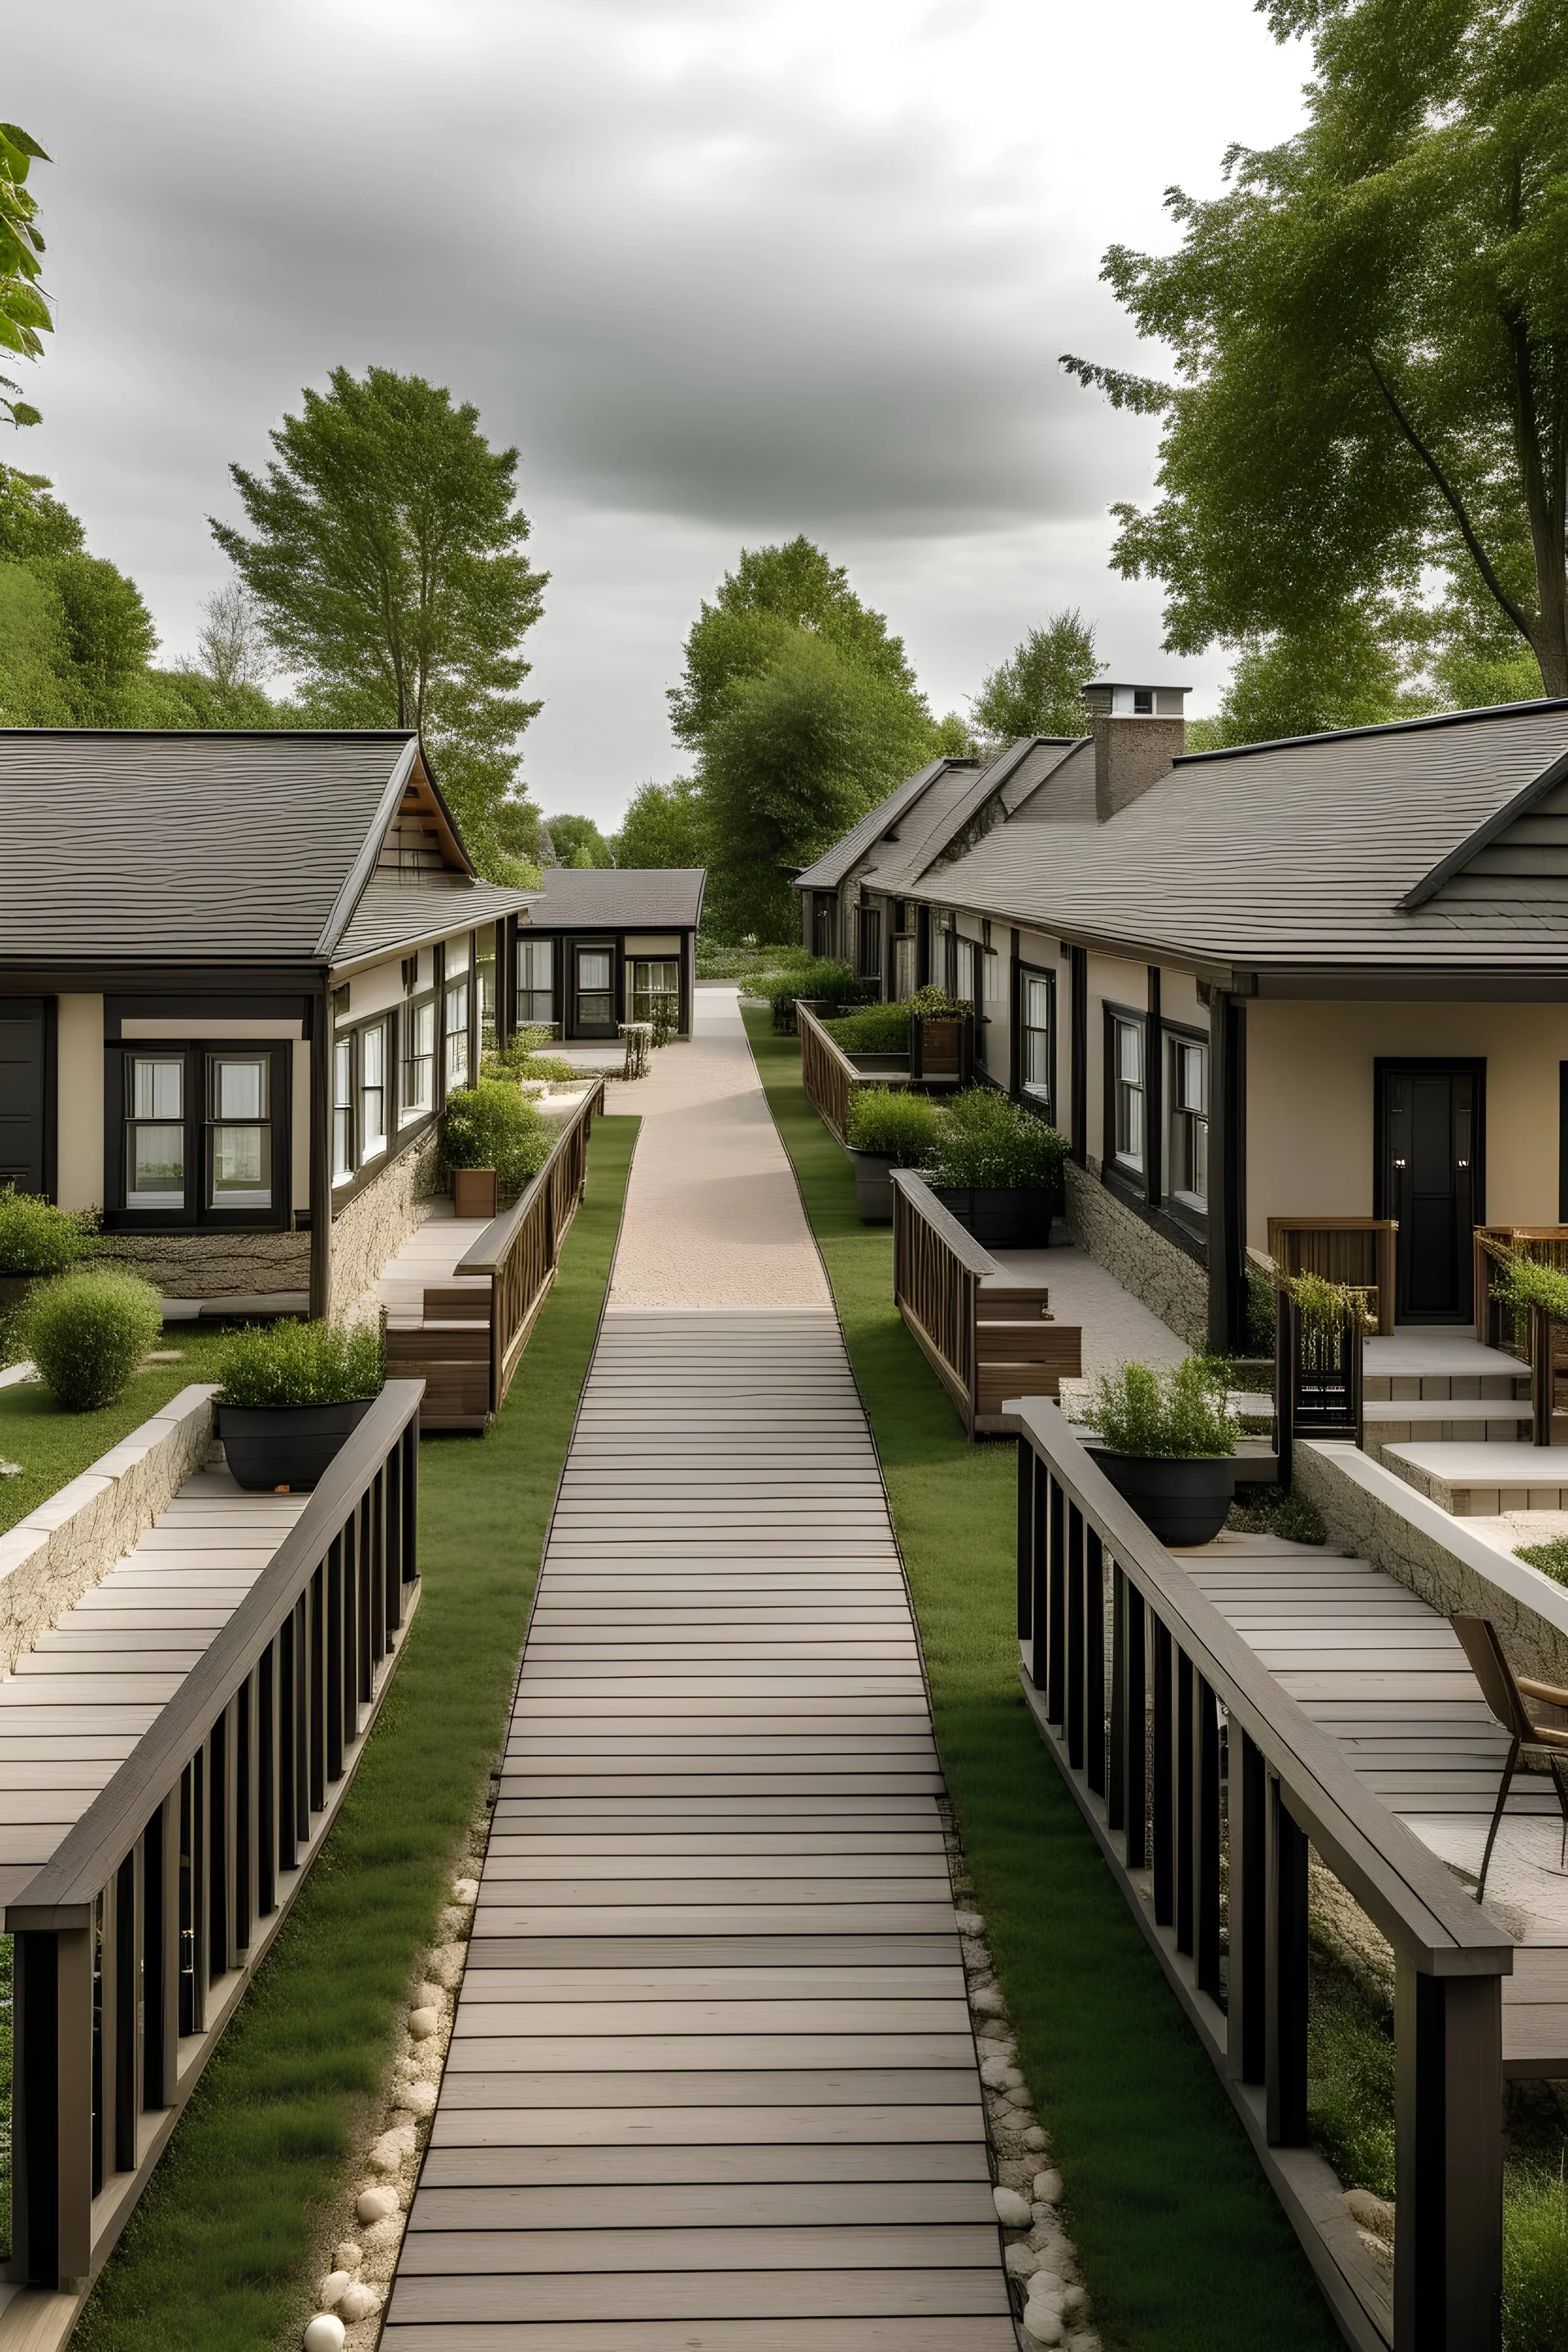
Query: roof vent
x=1138, y=732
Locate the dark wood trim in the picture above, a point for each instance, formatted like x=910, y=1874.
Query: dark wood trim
x=1155, y=1096
x=51, y=1081
x=1077, y=1015
x=163, y=979
x=1015, y=1037
x=1562, y=1143
x=320, y=1038
x=1227, y=1206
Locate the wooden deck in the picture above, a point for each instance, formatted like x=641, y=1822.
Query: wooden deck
x=80, y=1702
x=712, y=2080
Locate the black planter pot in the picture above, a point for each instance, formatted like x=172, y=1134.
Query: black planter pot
x=873, y=1186
x=1013, y=1216
x=1183, y=1501
x=269, y=1446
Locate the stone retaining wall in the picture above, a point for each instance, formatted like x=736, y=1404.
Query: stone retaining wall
x=216, y=1265
x=1172, y=1284
x=376, y=1224
x=1371, y=1514
x=70, y=1544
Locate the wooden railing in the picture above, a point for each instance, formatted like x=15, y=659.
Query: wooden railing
x=1180, y=1747
x=1319, y=1382
x=136, y=1940
x=830, y=1077
x=986, y=1337
x=1359, y=1251
x=521, y=1249
x=1531, y=1334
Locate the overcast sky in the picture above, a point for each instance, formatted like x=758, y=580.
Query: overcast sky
x=723, y=270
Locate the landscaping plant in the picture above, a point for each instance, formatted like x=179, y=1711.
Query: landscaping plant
x=1550, y=1559
x=893, y=1123
x=874, y=1029
x=985, y=1140
x=493, y=1126
x=1326, y=1308
x=1523, y=1283
x=523, y=1057
x=1152, y=1410
x=37, y=1238
x=88, y=1332
x=290, y=1362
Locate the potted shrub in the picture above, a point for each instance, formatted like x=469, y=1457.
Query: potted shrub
x=1167, y=1441
x=492, y=1142
x=818, y=981
x=37, y=1238
x=998, y=1169
x=87, y=1333
x=291, y=1393
x=889, y=1128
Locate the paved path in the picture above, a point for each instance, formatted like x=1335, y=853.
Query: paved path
x=713, y=2083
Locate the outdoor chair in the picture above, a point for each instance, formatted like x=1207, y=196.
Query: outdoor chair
x=1506, y=1693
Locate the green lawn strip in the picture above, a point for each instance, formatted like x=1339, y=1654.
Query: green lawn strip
x=53, y=1447
x=220, y=2255
x=1184, y=2246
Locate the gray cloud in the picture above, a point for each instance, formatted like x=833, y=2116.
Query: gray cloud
x=720, y=268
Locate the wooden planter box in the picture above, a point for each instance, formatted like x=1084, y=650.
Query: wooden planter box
x=474, y=1192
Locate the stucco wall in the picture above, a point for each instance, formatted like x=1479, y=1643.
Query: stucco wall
x=1310, y=1111
x=79, y=1060
x=376, y=1222
x=1171, y=1284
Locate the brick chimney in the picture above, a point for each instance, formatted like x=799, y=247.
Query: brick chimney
x=1138, y=732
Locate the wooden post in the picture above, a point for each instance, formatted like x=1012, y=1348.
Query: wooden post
x=1134, y=1742
x=1284, y=1978
x=1448, y=2251
x=1244, y=2047
x=1163, y=1791
x=73, y=2094
x=1187, y=1798
x=1227, y=1208
x=120, y=2153
x=321, y=1152
x=1076, y=1661
x=1025, y=1591
x=1056, y=1602
x=1077, y=1032
x=1153, y=1096
x=1094, y=1662
x=161, y=1955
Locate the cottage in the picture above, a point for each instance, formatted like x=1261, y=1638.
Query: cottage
x=1320, y=982
x=603, y=945
x=238, y=975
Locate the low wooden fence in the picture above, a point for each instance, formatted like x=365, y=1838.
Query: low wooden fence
x=1180, y=1749
x=1532, y=1335
x=1319, y=1382
x=1358, y=1251
x=830, y=1077
x=985, y=1336
x=468, y=1345
x=135, y=1942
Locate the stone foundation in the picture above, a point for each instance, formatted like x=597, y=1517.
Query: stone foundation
x=376, y=1222
x=1371, y=1514
x=70, y=1544
x=216, y=1265
x=1171, y=1285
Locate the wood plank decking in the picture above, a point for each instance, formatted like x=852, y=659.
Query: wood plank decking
x=712, y=2082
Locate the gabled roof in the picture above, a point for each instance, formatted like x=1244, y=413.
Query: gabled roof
x=397, y=911
x=622, y=899
x=836, y=864
x=1387, y=844
x=962, y=806
x=205, y=847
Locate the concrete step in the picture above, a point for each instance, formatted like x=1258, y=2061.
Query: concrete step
x=1482, y=1480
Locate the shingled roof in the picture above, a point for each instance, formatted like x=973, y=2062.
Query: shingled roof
x=622, y=899
x=835, y=864
x=1430, y=841
x=196, y=847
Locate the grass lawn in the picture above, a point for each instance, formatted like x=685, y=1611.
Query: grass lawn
x=221, y=2253
x=1182, y=2245
x=54, y=1447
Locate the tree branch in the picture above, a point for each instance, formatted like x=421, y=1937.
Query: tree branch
x=1482, y=561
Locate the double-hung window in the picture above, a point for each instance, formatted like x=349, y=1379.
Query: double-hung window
x=655, y=980
x=373, y=1103
x=1188, y=1098
x=485, y=980
x=418, y=1060
x=1036, y=1039
x=869, y=943
x=535, y=984
x=343, y=1161
x=1127, y=1094
x=155, y=1132
x=455, y=1027
x=202, y=1134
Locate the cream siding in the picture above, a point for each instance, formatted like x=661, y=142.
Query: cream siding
x=79, y=1061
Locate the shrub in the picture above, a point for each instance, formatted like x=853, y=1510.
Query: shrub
x=493, y=1126
x=875, y=1029
x=666, y=1020
x=814, y=977
x=1524, y=1283
x=985, y=1139
x=37, y=1238
x=1325, y=1306
x=892, y=1121
x=88, y=1332
x=1550, y=1559
x=288, y=1362
x=1534, y=2259
x=522, y=1057
x=1262, y=1510
x=1180, y=1413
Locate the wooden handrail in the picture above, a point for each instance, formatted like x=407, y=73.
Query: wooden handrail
x=486, y=1252
x=1168, y=1730
x=944, y=1224
x=1356, y=1251
x=943, y=1277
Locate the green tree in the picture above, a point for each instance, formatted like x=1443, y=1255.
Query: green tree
x=1039, y=690
x=1355, y=673
x=386, y=557
x=76, y=640
x=664, y=824
x=1371, y=332
x=773, y=594
x=577, y=841
x=23, y=313
x=793, y=758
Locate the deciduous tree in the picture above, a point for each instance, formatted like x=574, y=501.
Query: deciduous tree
x=664, y=824
x=1038, y=690
x=1371, y=333
x=577, y=841
x=23, y=313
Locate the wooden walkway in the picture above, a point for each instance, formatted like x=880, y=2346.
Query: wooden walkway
x=712, y=2082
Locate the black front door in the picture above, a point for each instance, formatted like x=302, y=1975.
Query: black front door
x=23, y=1093
x=1429, y=1129
x=594, y=991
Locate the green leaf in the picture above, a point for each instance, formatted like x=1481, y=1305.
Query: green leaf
x=15, y=137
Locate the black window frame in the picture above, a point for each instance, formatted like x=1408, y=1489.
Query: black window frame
x=1023, y=974
x=408, y=1112
x=197, y=1215
x=868, y=942
x=1127, y=1172
x=527, y=940
x=1174, y=1035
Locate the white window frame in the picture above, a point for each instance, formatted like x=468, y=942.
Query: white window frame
x=1187, y=1120
x=417, y=1094
x=1129, y=1105
x=1037, y=1088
